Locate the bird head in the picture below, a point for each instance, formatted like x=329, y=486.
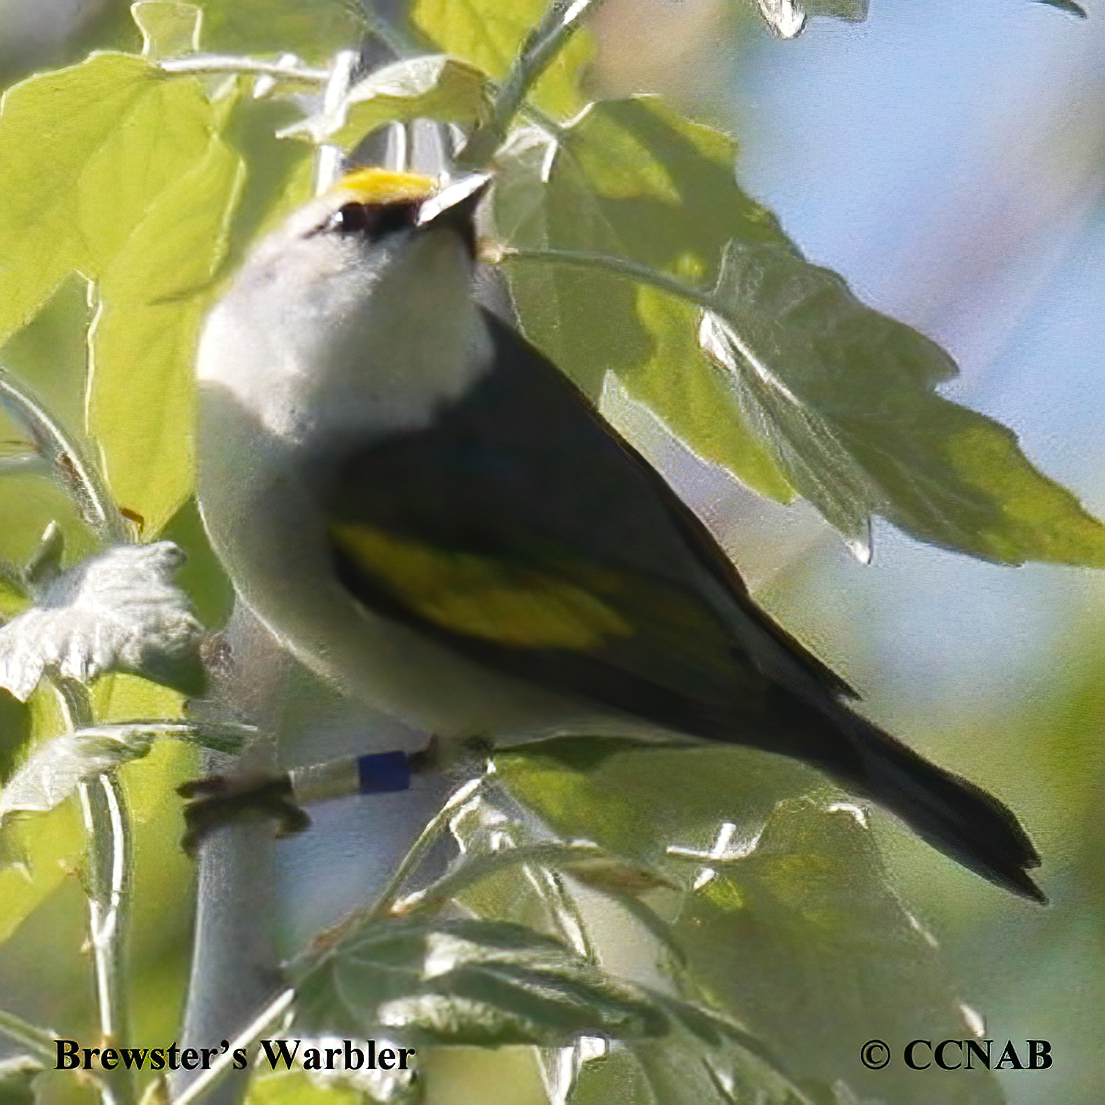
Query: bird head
x=357, y=312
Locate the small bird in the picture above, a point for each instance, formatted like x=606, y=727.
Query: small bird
x=428, y=513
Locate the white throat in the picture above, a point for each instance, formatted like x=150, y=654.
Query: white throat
x=367, y=341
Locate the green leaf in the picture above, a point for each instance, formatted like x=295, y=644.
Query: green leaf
x=486, y=983
x=809, y=389
x=686, y=1067
x=50, y=127
x=488, y=33
x=665, y=185
x=1068, y=6
x=32, y=865
x=168, y=28
x=57, y=767
x=680, y=1071
x=49, y=356
x=116, y=171
x=116, y=611
x=809, y=909
x=583, y=320
x=787, y=18
x=17, y=1077
x=431, y=86
x=280, y=177
x=15, y=731
x=634, y=802
x=313, y=29
x=786, y=920
x=593, y=1073
x=297, y=1088
x=845, y=399
x=854, y=11
x=579, y=753
x=583, y=861
x=154, y=295
x=696, y=401
x=632, y=179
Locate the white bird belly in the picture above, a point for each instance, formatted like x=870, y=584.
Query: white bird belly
x=269, y=532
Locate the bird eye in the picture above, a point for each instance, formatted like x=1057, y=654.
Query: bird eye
x=355, y=218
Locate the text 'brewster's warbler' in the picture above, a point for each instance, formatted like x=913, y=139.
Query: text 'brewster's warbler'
x=428, y=513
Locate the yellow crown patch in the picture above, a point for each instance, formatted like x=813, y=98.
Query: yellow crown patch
x=386, y=186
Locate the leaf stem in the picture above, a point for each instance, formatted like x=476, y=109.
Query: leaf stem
x=109, y=890
x=563, y=908
x=539, y=49
x=27, y=463
x=426, y=839
x=38, y=1040
x=404, y=44
x=619, y=266
x=330, y=159
x=67, y=456
x=399, y=40
x=109, y=871
x=231, y=63
x=544, y=854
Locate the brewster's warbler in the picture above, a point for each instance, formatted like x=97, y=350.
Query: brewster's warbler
x=429, y=514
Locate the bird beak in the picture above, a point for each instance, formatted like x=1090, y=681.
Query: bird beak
x=455, y=206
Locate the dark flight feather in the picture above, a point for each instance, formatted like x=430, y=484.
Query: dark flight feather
x=523, y=532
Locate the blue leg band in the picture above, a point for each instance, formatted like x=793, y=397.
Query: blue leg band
x=383, y=772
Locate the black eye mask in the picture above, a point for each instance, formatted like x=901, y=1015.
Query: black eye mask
x=374, y=220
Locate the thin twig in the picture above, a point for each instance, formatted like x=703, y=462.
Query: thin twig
x=249, y=1035
x=39, y=1040
x=109, y=891
x=539, y=49
x=68, y=457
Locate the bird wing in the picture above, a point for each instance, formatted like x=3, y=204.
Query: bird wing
x=521, y=530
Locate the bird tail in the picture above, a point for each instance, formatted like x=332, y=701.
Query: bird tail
x=951, y=813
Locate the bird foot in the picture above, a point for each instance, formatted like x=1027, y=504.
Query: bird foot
x=219, y=800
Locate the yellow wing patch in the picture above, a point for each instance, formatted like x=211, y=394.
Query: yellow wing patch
x=480, y=596
x=385, y=186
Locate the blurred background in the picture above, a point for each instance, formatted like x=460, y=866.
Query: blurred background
x=948, y=158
